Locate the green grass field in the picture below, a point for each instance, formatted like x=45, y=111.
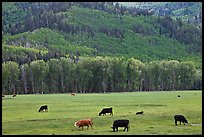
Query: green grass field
x=20, y=115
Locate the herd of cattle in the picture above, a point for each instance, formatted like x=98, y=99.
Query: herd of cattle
x=117, y=123
x=88, y=122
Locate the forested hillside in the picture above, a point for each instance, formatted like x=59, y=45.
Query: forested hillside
x=190, y=12
x=96, y=47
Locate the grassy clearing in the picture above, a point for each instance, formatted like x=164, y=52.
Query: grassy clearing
x=20, y=115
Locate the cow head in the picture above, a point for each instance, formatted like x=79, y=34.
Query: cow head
x=113, y=129
x=75, y=124
x=186, y=122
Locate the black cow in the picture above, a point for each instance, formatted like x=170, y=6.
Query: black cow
x=179, y=96
x=42, y=108
x=106, y=110
x=180, y=118
x=120, y=123
x=141, y=112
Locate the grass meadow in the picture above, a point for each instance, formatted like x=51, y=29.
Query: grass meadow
x=20, y=115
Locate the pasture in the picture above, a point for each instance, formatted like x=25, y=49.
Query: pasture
x=20, y=114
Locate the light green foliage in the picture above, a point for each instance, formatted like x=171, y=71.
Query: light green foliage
x=38, y=38
x=104, y=74
x=64, y=109
x=39, y=70
x=10, y=73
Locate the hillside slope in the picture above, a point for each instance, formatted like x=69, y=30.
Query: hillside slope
x=75, y=27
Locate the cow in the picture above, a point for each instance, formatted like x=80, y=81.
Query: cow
x=141, y=112
x=179, y=96
x=84, y=122
x=14, y=95
x=42, y=108
x=73, y=94
x=120, y=123
x=106, y=110
x=180, y=118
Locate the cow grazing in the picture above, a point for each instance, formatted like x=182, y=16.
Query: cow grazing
x=180, y=118
x=73, y=94
x=120, y=123
x=42, y=108
x=84, y=122
x=141, y=112
x=106, y=110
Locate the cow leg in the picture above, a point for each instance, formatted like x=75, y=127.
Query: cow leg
x=176, y=122
x=91, y=126
x=80, y=127
x=124, y=129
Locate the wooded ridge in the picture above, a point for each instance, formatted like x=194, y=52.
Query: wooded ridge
x=96, y=47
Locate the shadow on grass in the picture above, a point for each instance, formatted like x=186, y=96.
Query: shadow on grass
x=146, y=105
x=8, y=98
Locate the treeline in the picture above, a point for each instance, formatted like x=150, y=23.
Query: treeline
x=98, y=75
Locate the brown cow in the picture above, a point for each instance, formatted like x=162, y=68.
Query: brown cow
x=84, y=122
